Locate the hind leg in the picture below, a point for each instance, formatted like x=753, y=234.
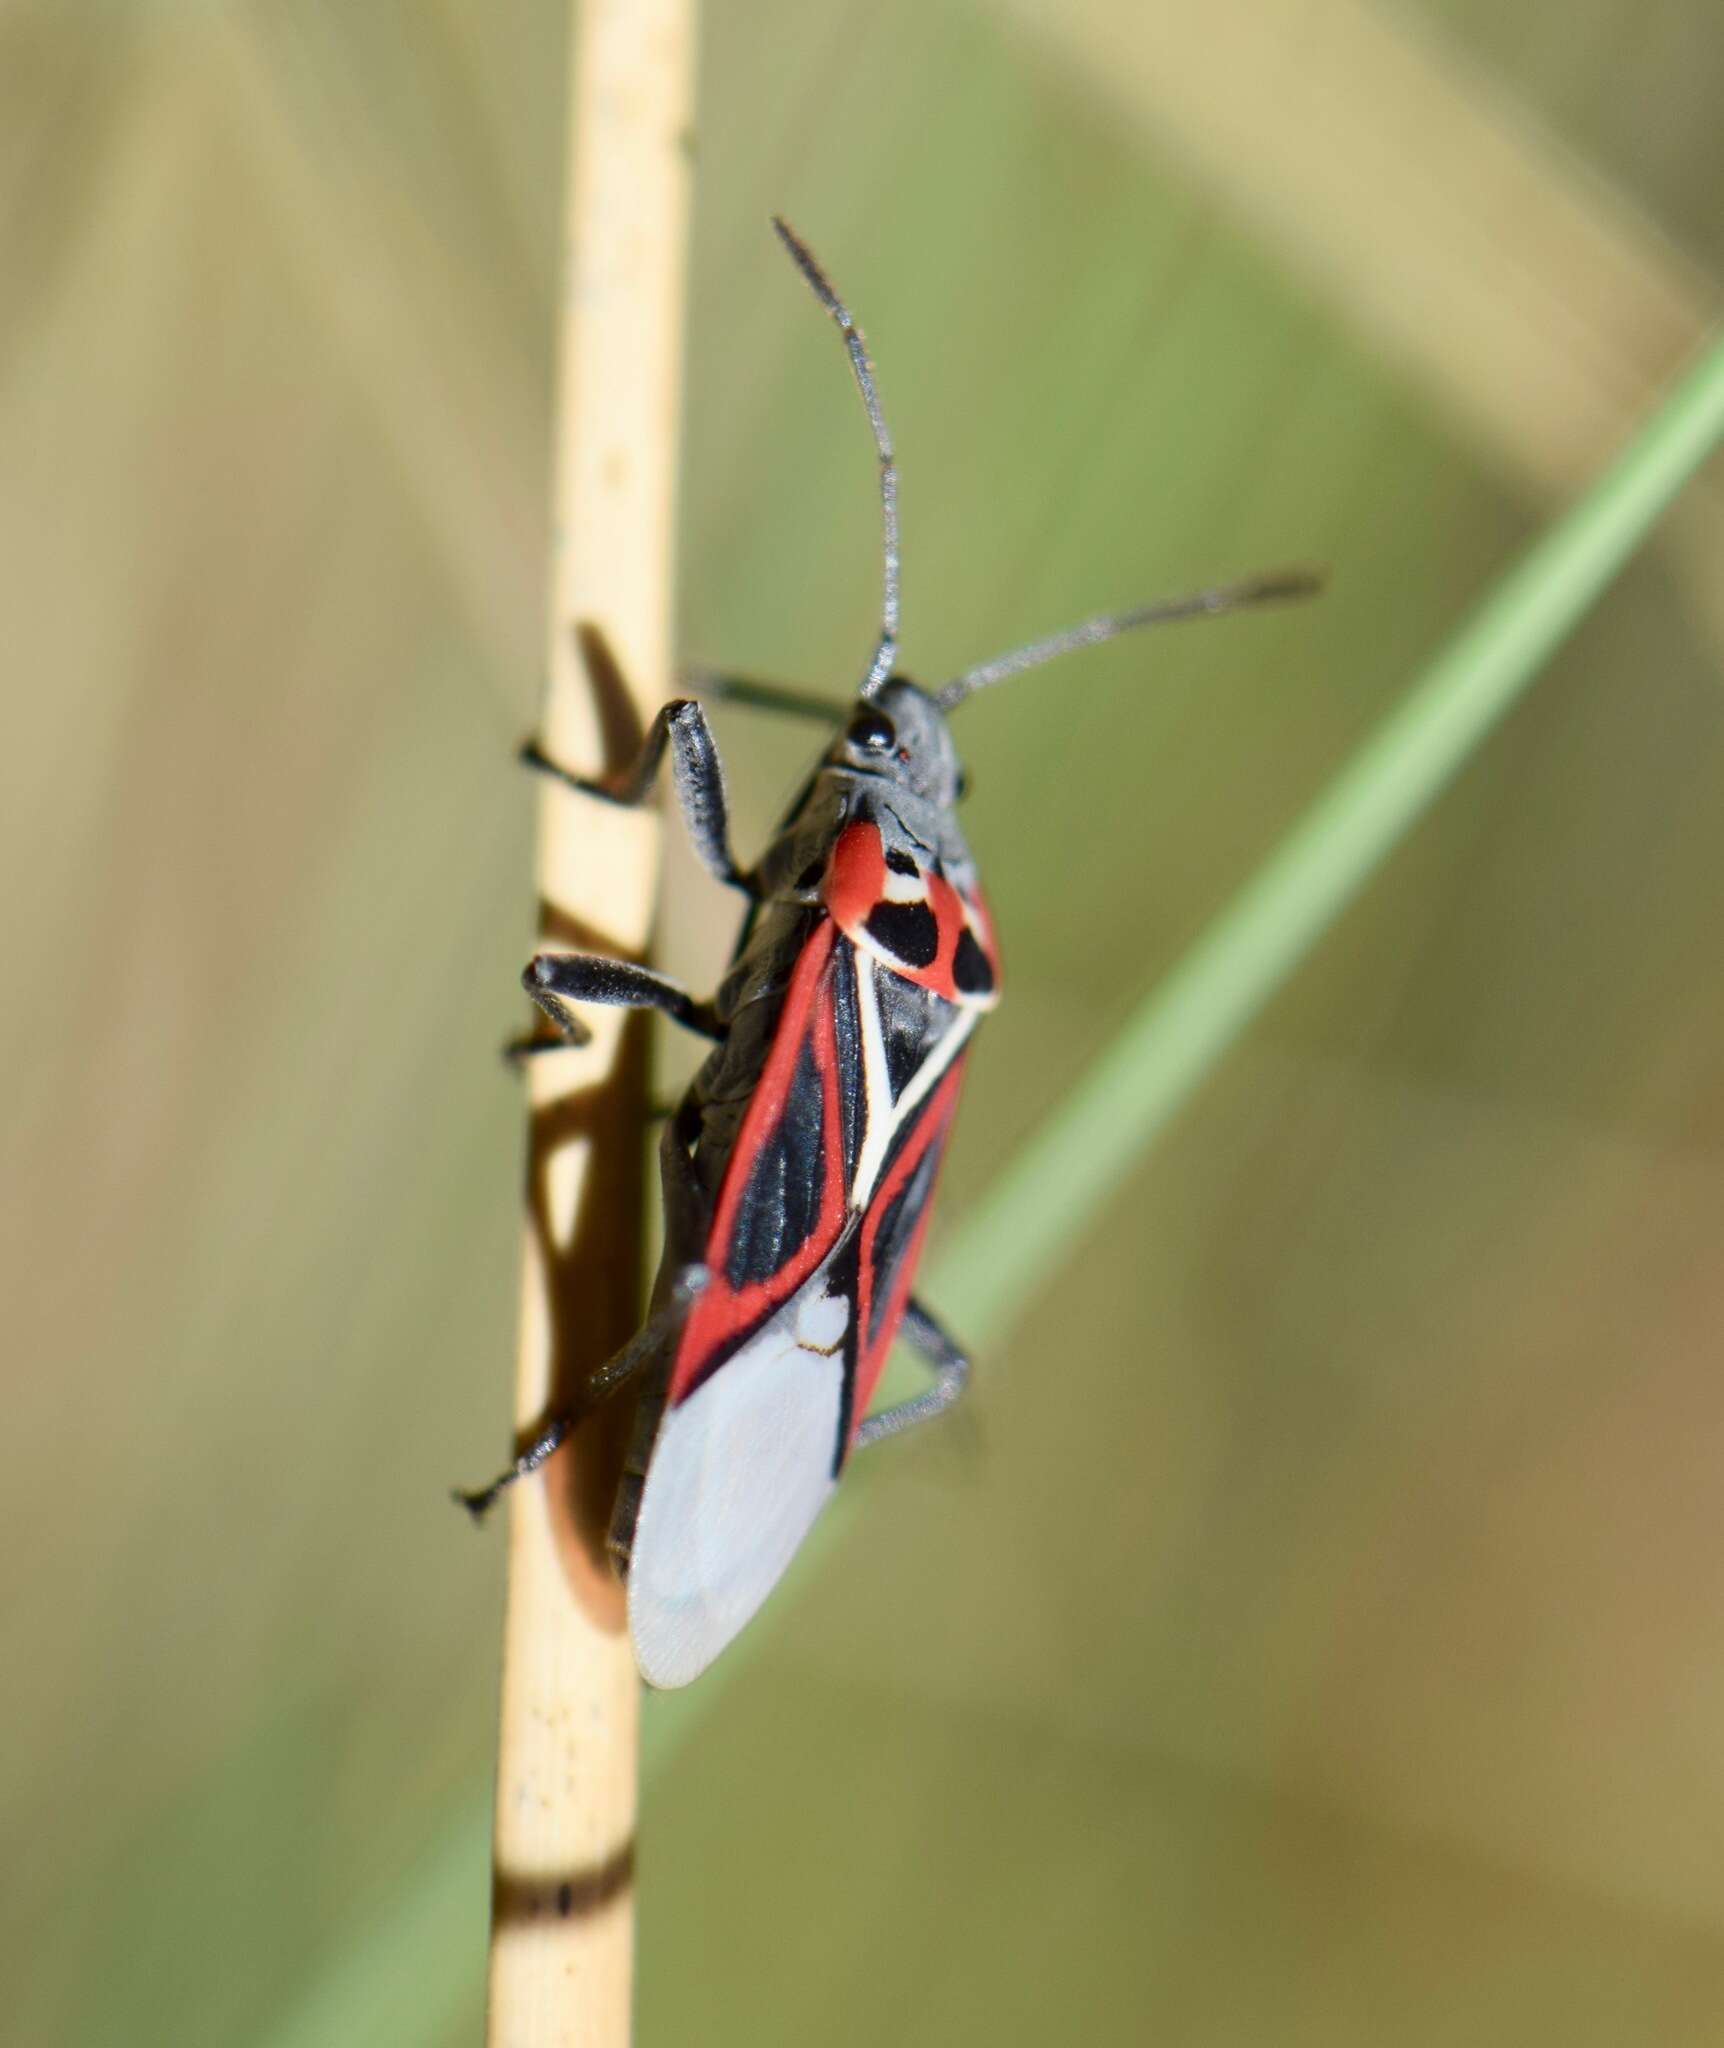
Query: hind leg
x=951, y=1372
x=636, y=1353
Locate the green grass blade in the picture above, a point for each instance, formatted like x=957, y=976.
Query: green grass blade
x=1021, y=1231
x=419, y=1962
x=1016, y=1238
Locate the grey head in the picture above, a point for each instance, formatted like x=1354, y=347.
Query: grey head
x=898, y=736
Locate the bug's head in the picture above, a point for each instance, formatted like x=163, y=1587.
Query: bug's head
x=900, y=734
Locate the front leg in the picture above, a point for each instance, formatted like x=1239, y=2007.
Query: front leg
x=951, y=1370
x=696, y=776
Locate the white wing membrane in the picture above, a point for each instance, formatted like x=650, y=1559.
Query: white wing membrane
x=739, y=1472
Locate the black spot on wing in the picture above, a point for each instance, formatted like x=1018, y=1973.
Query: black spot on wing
x=913, y=1020
x=908, y=931
x=971, y=974
x=897, y=1227
x=902, y=863
x=781, y=1203
x=841, y=1278
x=847, y=1030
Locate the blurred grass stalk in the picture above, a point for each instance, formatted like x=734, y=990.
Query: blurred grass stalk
x=1024, y=1228
x=562, y=1932
x=1014, y=1240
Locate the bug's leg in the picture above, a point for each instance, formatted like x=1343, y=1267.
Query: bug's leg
x=552, y=1437
x=641, y=1348
x=695, y=772
x=763, y=696
x=951, y=1369
x=515, y=1050
x=658, y=1108
x=554, y=980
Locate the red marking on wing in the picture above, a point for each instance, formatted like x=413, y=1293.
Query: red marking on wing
x=724, y=1313
x=855, y=886
x=949, y=922
x=931, y=1132
x=856, y=877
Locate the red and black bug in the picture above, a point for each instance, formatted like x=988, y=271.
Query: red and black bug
x=799, y=1167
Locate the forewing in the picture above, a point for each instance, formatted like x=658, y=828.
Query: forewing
x=784, y=1194
x=814, y=1241
x=890, y=1242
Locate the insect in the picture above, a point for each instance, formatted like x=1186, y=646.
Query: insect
x=798, y=1168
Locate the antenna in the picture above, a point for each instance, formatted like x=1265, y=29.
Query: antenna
x=1276, y=587
x=886, y=648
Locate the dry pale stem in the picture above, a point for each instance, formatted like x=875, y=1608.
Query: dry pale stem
x=562, y=1937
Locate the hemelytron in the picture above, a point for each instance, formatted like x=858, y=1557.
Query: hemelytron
x=798, y=1168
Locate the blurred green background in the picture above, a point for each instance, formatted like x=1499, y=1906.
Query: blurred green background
x=1314, y=1630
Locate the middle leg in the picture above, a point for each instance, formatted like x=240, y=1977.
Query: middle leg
x=554, y=980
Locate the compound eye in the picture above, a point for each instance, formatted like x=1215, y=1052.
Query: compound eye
x=872, y=732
